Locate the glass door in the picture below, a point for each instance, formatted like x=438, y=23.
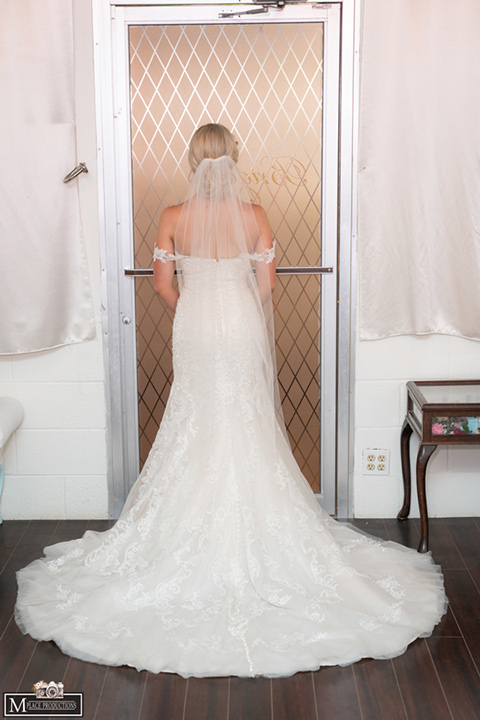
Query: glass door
x=272, y=79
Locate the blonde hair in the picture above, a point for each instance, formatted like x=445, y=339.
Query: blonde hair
x=211, y=141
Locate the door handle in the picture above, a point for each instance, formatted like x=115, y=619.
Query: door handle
x=282, y=270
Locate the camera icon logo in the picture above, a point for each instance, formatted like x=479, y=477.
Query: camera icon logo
x=49, y=690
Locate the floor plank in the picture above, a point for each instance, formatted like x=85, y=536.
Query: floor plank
x=250, y=698
x=100, y=525
x=404, y=532
x=36, y=536
x=164, y=697
x=87, y=678
x=448, y=626
x=465, y=602
x=373, y=526
x=16, y=651
x=458, y=676
x=336, y=693
x=465, y=533
x=47, y=663
x=122, y=694
x=378, y=691
x=444, y=551
x=207, y=699
x=8, y=593
x=293, y=698
x=419, y=685
x=68, y=530
x=10, y=535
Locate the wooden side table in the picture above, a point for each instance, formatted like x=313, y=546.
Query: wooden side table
x=440, y=412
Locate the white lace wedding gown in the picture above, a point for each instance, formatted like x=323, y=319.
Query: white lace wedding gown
x=222, y=562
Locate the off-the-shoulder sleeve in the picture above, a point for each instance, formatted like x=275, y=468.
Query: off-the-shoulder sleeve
x=163, y=255
x=266, y=256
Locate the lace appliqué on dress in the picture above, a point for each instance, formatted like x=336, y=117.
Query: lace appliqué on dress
x=69, y=597
x=77, y=551
x=109, y=630
x=267, y=256
x=163, y=255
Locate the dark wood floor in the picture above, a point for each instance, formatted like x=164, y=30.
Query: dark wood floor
x=436, y=679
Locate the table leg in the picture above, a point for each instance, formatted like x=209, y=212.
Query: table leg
x=406, y=474
x=425, y=452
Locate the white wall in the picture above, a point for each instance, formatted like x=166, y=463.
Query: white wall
x=382, y=369
x=55, y=465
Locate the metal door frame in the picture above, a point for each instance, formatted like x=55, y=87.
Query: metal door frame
x=112, y=87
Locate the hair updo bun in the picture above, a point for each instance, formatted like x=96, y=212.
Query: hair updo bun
x=211, y=141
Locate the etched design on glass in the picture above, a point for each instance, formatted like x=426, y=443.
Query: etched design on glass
x=265, y=83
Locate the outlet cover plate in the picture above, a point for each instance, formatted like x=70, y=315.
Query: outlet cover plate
x=376, y=462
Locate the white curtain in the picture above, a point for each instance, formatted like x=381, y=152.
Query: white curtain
x=45, y=298
x=419, y=168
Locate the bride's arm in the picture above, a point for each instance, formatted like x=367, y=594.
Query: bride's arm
x=164, y=267
x=265, y=271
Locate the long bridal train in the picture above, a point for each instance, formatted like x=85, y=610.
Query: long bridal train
x=222, y=562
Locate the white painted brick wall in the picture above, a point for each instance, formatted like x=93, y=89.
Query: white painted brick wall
x=55, y=464
x=383, y=368
x=5, y=369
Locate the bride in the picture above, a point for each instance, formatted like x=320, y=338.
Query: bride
x=222, y=562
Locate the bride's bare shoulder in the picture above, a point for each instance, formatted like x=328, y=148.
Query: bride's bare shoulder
x=169, y=219
x=171, y=213
x=167, y=225
x=258, y=210
x=260, y=215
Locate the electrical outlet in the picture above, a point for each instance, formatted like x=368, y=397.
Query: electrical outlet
x=376, y=462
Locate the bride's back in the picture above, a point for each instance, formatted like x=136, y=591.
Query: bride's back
x=227, y=230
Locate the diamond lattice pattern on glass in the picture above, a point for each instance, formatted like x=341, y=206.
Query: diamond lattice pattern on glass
x=264, y=82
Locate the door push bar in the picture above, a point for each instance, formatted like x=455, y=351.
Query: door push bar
x=284, y=270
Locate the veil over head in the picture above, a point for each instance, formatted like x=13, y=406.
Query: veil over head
x=217, y=220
